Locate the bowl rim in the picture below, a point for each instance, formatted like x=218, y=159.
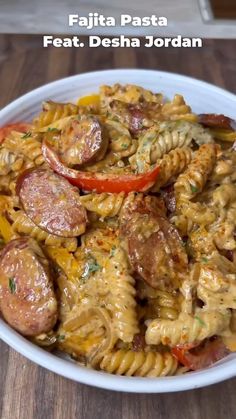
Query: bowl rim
x=68, y=369
x=87, y=75
x=217, y=373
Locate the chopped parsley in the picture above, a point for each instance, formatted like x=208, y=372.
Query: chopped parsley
x=202, y=323
x=194, y=189
x=52, y=129
x=124, y=146
x=113, y=117
x=91, y=266
x=60, y=338
x=26, y=135
x=205, y=260
x=12, y=285
x=112, y=252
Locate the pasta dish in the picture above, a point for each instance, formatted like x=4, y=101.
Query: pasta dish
x=117, y=232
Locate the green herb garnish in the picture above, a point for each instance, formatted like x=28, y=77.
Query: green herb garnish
x=205, y=260
x=112, y=252
x=60, y=338
x=194, y=189
x=91, y=266
x=114, y=118
x=52, y=129
x=202, y=323
x=12, y=285
x=124, y=146
x=26, y=135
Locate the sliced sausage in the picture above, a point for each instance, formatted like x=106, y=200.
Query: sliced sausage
x=136, y=117
x=168, y=194
x=155, y=249
x=27, y=299
x=213, y=120
x=52, y=203
x=82, y=141
x=138, y=343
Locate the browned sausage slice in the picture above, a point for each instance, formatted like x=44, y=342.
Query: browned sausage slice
x=27, y=299
x=52, y=203
x=213, y=120
x=155, y=249
x=136, y=117
x=82, y=141
x=168, y=194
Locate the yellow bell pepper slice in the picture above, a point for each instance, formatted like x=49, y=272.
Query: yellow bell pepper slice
x=230, y=342
x=89, y=100
x=224, y=134
x=6, y=230
x=66, y=261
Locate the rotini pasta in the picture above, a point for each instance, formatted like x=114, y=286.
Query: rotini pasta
x=164, y=137
x=177, y=110
x=121, y=140
x=9, y=161
x=122, y=297
x=53, y=111
x=187, y=328
x=192, y=181
x=119, y=214
x=104, y=204
x=142, y=364
x=217, y=283
x=171, y=165
x=23, y=225
x=26, y=145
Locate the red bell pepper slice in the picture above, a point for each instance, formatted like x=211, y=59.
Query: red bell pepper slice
x=201, y=356
x=100, y=182
x=18, y=126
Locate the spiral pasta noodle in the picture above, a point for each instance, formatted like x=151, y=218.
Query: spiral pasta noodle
x=129, y=93
x=178, y=110
x=123, y=297
x=121, y=141
x=53, y=111
x=22, y=224
x=171, y=165
x=104, y=204
x=187, y=328
x=26, y=145
x=88, y=331
x=142, y=364
x=224, y=195
x=162, y=304
x=9, y=161
x=167, y=305
x=217, y=283
x=192, y=181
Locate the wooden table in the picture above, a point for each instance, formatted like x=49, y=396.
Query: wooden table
x=28, y=391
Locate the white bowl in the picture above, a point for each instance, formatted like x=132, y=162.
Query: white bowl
x=204, y=98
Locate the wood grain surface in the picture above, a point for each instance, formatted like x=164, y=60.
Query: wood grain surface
x=28, y=391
